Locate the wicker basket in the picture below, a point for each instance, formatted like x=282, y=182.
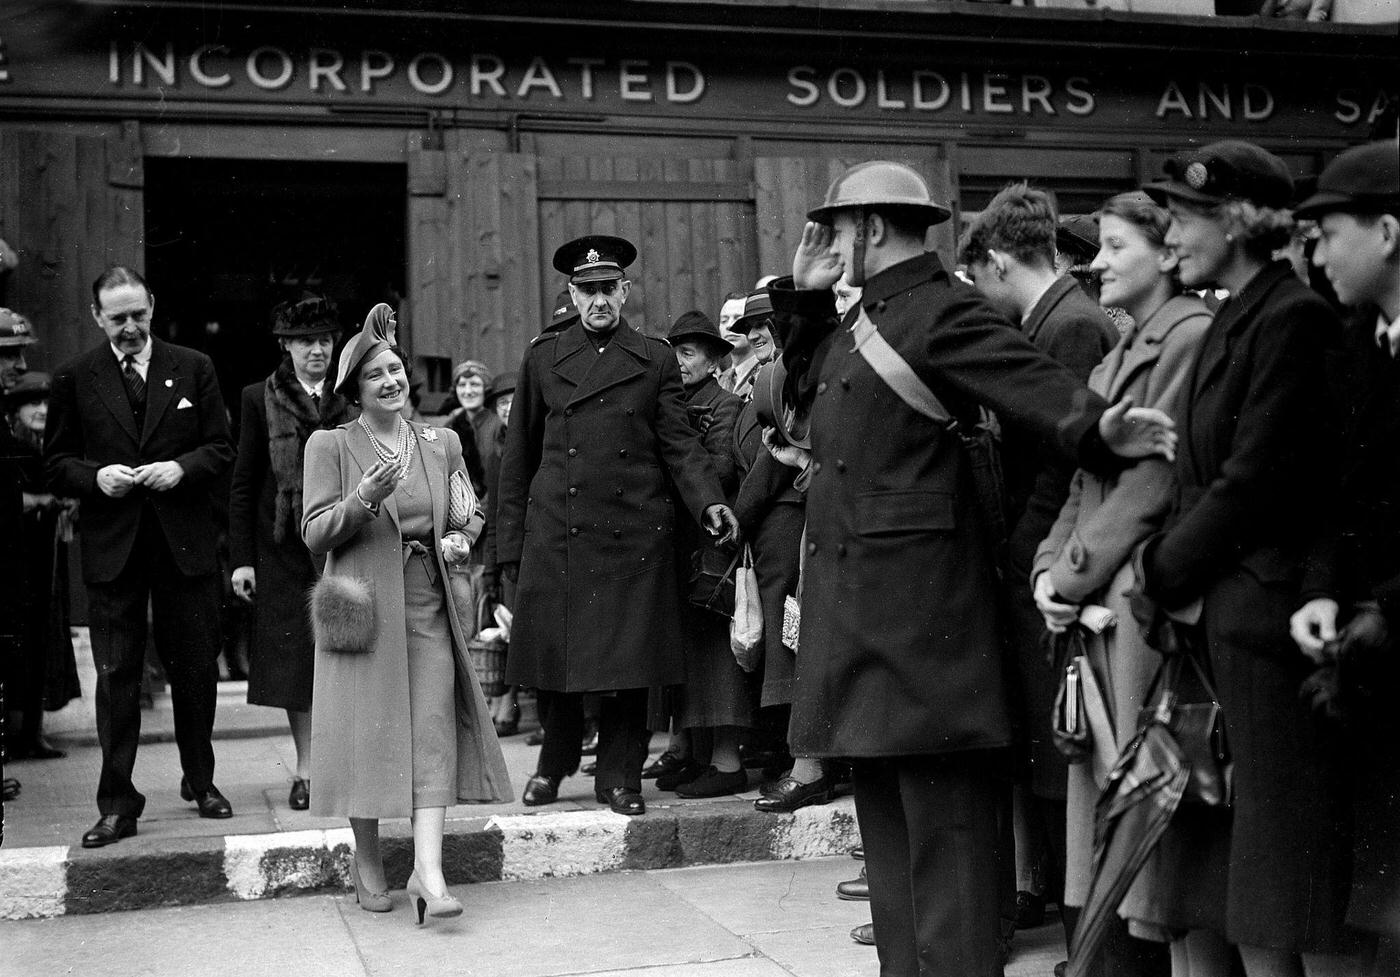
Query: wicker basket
x=489, y=656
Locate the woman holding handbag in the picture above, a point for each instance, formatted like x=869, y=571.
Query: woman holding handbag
x=1253, y=464
x=399, y=724
x=1086, y=558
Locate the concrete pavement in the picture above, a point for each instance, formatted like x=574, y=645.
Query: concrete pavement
x=766, y=919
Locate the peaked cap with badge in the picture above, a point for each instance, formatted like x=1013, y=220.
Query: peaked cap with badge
x=15, y=330
x=1229, y=169
x=594, y=258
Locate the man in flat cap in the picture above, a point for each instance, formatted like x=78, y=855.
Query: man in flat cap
x=1351, y=617
x=586, y=523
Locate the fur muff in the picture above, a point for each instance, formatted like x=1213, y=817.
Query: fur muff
x=342, y=615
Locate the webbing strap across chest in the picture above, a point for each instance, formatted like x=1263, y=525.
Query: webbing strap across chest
x=896, y=371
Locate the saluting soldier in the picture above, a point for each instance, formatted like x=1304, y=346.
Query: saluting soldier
x=900, y=665
x=586, y=524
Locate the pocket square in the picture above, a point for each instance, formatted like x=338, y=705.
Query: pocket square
x=184, y=402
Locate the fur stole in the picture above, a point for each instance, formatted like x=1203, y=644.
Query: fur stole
x=291, y=417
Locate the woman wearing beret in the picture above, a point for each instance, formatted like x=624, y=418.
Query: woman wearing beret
x=1254, y=458
x=1086, y=558
x=272, y=568
x=399, y=724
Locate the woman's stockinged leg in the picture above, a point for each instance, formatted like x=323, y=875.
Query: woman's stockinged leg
x=428, y=826
x=300, y=722
x=1262, y=961
x=367, y=857
x=1200, y=953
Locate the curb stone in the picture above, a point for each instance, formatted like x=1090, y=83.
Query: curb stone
x=39, y=883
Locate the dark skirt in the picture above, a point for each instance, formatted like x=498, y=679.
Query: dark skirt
x=776, y=556
x=716, y=688
x=281, y=658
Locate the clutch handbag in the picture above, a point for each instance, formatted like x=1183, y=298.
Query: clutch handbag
x=461, y=501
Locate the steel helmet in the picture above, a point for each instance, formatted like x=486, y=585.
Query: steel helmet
x=880, y=183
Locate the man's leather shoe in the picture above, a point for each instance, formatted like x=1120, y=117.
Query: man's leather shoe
x=299, y=799
x=210, y=802
x=109, y=829
x=541, y=789
x=864, y=933
x=622, y=800
x=715, y=783
x=854, y=889
x=788, y=795
x=667, y=762
x=687, y=773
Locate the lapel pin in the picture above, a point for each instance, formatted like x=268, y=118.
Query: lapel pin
x=429, y=434
x=170, y=383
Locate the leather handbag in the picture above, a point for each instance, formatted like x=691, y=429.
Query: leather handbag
x=712, y=577
x=1069, y=718
x=1183, y=700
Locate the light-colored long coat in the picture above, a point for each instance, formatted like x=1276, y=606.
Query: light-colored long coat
x=361, y=750
x=1087, y=552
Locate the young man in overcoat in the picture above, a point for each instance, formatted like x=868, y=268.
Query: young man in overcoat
x=900, y=663
x=586, y=524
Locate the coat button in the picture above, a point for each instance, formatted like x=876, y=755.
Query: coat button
x=631, y=411
x=816, y=467
x=573, y=490
x=880, y=306
x=845, y=383
x=840, y=549
x=617, y=491
x=617, y=534
x=572, y=452
x=811, y=548
x=821, y=387
x=573, y=531
x=840, y=467
x=622, y=452
x=568, y=412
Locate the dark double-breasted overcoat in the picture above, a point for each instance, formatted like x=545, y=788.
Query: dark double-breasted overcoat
x=1256, y=448
x=900, y=651
x=595, y=439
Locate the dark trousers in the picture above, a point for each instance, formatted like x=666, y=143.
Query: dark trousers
x=929, y=825
x=185, y=623
x=623, y=736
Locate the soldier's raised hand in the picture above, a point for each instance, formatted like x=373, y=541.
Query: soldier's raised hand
x=816, y=265
x=1137, y=432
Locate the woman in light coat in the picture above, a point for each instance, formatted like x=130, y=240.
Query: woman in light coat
x=399, y=729
x=1086, y=557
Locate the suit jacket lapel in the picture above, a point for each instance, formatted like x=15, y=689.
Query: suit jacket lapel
x=163, y=381
x=620, y=361
x=111, y=389
x=363, y=453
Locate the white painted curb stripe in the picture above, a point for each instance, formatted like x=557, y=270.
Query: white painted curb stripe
x=258, y=864
x=542, y=846
x=33, y=882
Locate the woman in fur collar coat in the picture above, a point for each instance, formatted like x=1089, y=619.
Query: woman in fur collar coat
x=272, y=568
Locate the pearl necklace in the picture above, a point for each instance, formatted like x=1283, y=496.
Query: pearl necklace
x=402, y=455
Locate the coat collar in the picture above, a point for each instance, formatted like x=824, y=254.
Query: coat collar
x=1143, y=346
x=1237, y=312
x=578, y=362
x=363, y=452
x=704, y=393
x=1046, y=304
x=900, y=278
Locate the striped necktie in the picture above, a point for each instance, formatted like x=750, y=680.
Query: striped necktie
x=135, y=385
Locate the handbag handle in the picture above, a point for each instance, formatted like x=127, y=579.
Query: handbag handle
x=729, y=572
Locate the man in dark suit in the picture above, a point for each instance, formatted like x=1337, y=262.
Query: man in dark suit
x=899, y=667
x=1009, y=251
x=138, y=431
x=1354, y=577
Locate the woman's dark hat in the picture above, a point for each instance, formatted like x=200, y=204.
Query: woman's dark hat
x=696, y=326
x=500, y=386
x=1222, y=171
x=34, y=385
x=1078, y=237
x=1362, y=180
x=563, y=314
x=758, y=306
x=374, y=337
x=595, y=258
x=311, y=315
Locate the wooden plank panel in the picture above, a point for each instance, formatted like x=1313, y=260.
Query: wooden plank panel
x=653, y=284
x=679, y=293
x=737, y=266
x=704, y=245
x=551, y=231
x=520, y=285
x=576, y=216
x=601, y=189
x=630, y=226
x=602, y=209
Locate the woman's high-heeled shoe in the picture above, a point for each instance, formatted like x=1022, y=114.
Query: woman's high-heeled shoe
x=370, y=902
x=444, y=906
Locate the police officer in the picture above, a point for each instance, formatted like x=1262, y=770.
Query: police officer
x=1355, y=573
x=900, y=664
x=586, y=524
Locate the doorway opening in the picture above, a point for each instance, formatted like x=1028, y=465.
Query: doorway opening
x=227, y=240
